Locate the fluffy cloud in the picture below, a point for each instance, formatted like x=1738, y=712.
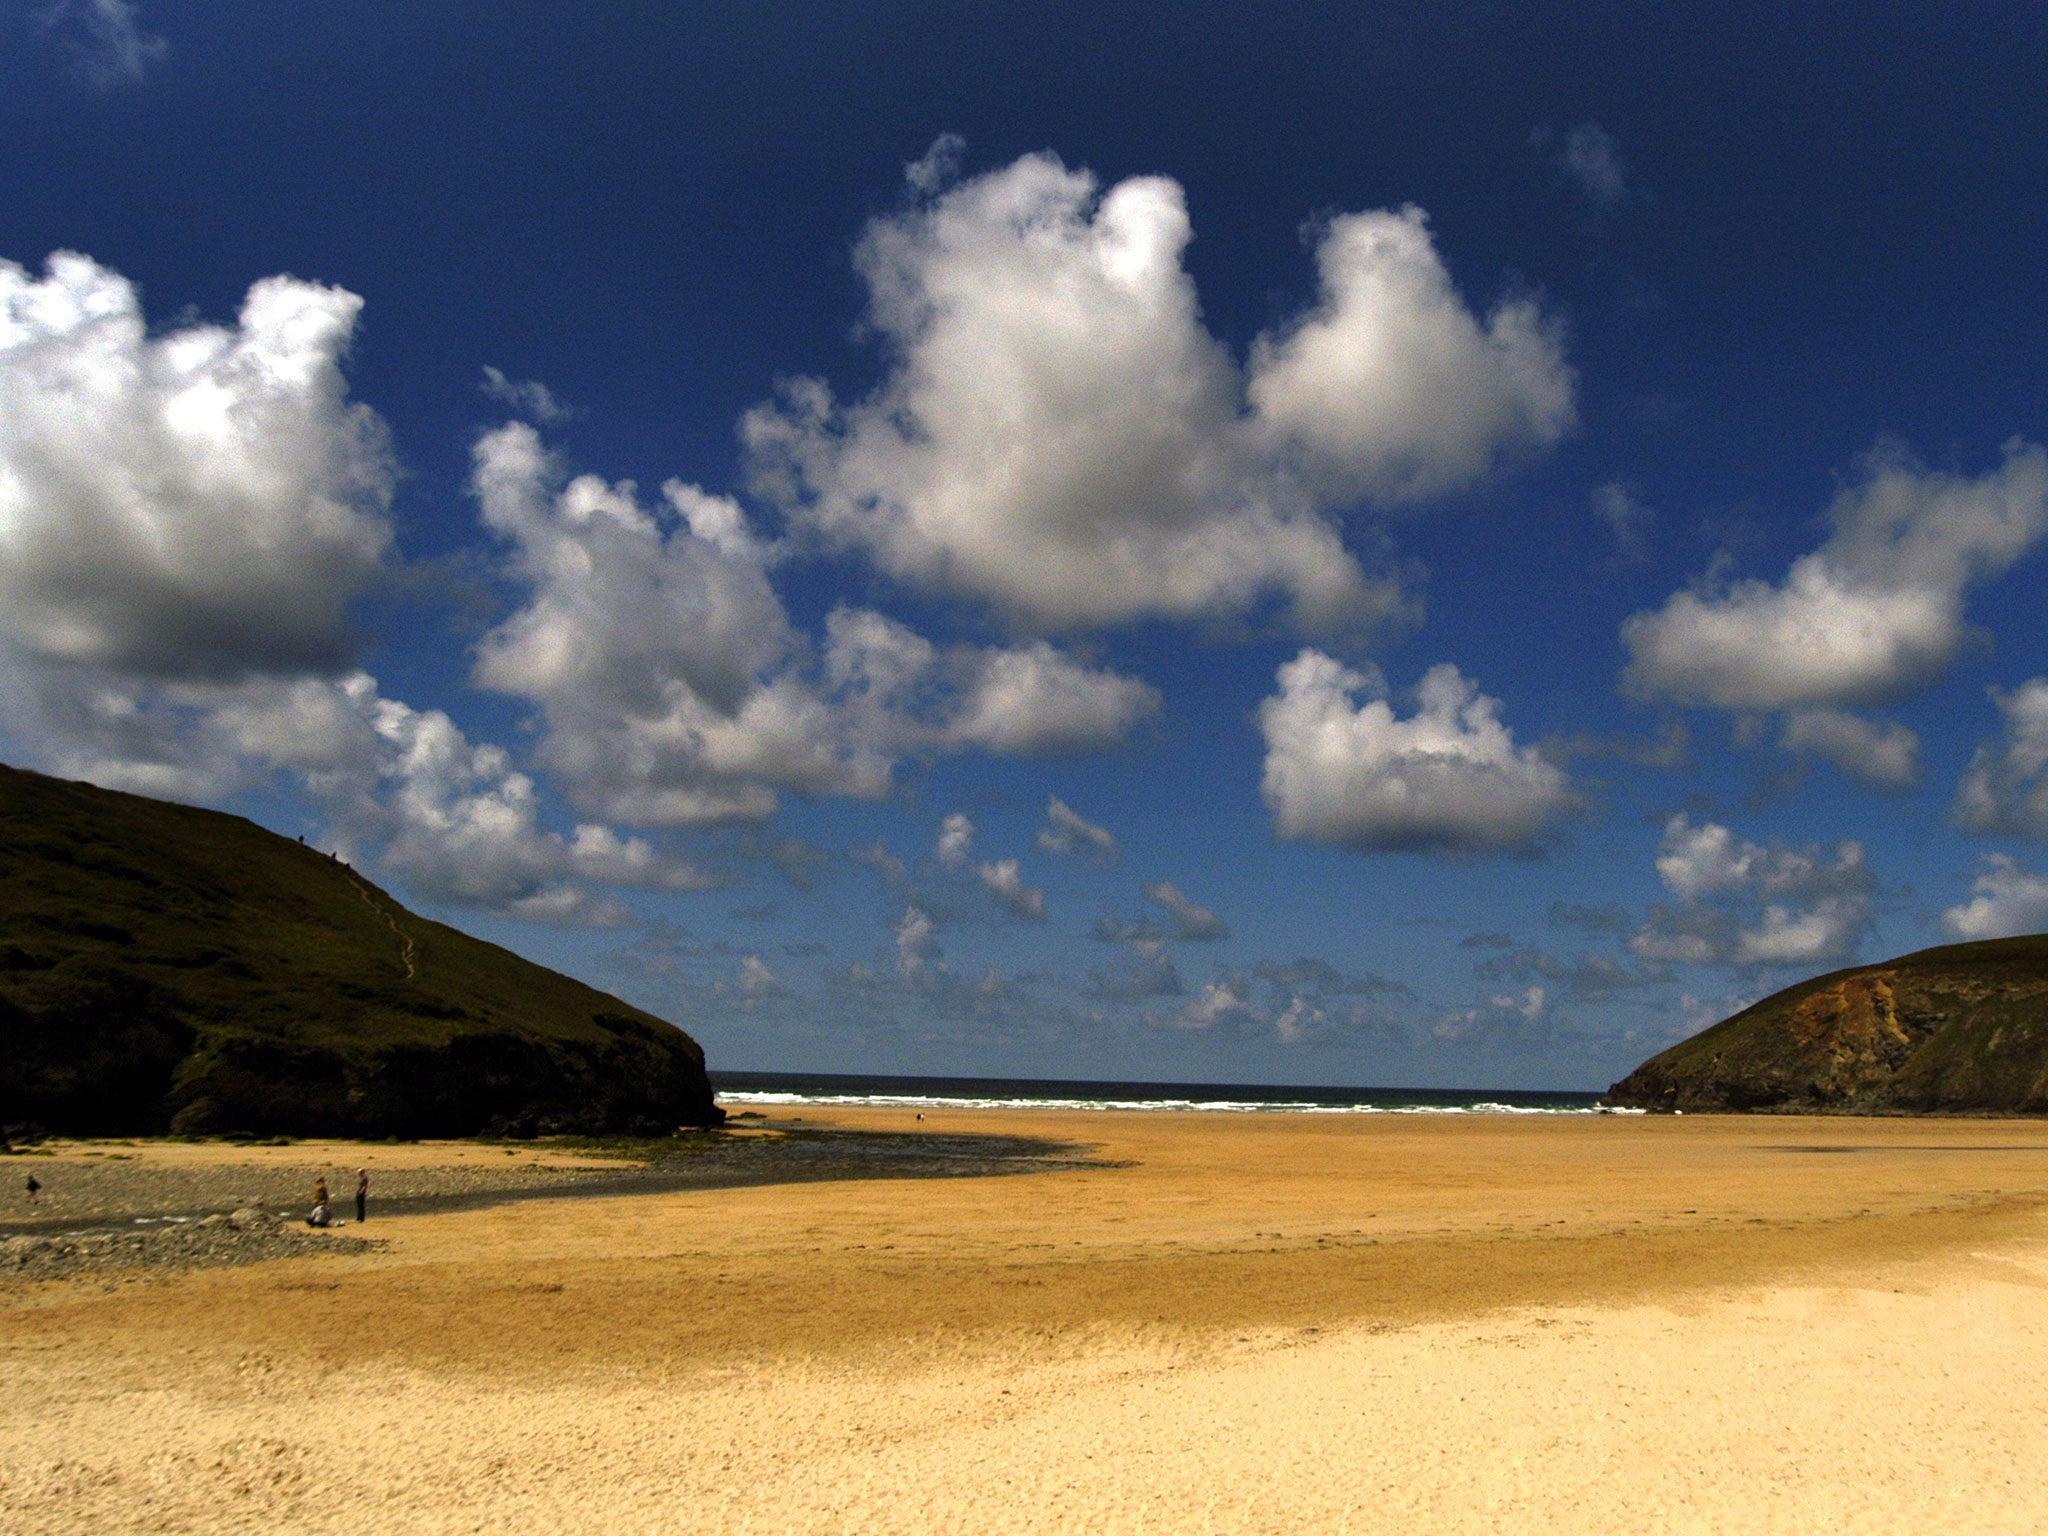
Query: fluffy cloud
x=1005, y=881
x=186, y=517
x=1390, y=386
x=1036, y=699
x=1744, y=904
x=757, y=979
x=956, y=840
x=1300, y=1000
x=1144, y=933
x=1306, y=998
x=675, y=689
x=184, y=520
x=1067, y=832
x=1059, y=434
x=202, y=503
x=529, y=397
x=1188, y=921
x=462, y=824
x=2005, y=788
x=1184, y=921
x=1500, y=1021
x=1709, y=860
x=2006, y=900
x=400, y=786
x=1883, y=753
x=1225, y=1001
x=1875, y=612
x=1448, y=779
x=917, y=942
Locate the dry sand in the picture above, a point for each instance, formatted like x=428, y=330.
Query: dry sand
x=1257, y=1323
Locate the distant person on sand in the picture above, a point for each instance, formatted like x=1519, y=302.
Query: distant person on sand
x=320, y=1190
x=362, y=1195
x=35, y=1188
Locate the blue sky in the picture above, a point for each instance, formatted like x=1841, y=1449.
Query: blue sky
x=1401, y=545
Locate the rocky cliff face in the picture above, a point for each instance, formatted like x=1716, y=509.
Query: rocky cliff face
x=168, y=968
x=1958, y=1030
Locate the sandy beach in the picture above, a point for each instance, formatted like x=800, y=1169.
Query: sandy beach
x=1221, y=1323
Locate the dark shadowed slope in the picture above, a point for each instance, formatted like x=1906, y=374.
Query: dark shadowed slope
x=1958, y=1030
x=166, y=967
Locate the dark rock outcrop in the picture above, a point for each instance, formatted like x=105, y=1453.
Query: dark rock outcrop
x=1962, y=1029
x=168, y=968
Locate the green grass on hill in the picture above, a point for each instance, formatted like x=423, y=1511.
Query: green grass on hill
x=1959, y=1029
x=160, y=962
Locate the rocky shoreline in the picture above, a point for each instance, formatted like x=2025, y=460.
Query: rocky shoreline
x=119, y=1191
x=116, y=1212
x=245, y=1237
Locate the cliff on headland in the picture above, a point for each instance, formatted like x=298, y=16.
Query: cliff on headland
x=1962, y=1029
x=165, y=968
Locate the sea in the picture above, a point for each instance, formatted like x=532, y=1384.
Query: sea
x=770, y=1089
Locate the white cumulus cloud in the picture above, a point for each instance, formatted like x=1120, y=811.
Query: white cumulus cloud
x=1004, y=880
x=184, y=520
x=204, y=502
x=1883, y=753
x=453, y=816
x=1187, y=921
x=2005, y=900
x=1225, y=1001
x=1746, y=904
x=2005, y=788
x=1060, y=434
x=917, y=942
x=757, y=979
x=956, y=840
x=529, y=397
x=1874, y=613
x=403, y=787
x=1033, y=698
x=1391, y=386
x=1447, y=779
x=675, y=689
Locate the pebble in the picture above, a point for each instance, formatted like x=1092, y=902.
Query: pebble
x=244, y=1238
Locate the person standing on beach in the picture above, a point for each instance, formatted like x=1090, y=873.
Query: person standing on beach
x=362, y=1195
x=35, y=1188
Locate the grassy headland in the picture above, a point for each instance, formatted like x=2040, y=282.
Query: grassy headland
x=168, y=968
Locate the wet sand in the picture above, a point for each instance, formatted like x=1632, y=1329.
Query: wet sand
x=126, y=1182
x=1254, y=1323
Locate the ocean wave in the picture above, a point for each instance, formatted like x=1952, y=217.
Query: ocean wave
x=775, y=1099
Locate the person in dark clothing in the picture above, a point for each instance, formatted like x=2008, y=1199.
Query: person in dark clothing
x=35, y=1188
x=362, y=1194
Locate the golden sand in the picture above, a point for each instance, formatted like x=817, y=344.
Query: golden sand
x=1255, y=1323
